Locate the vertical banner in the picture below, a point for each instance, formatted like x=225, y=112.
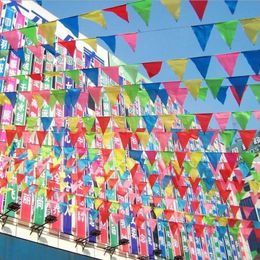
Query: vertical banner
x=81, y=222
x=134, y=243
x=143, y=240
x=26, y=206
x=149, y=234
x=54, y=209
x=161, y=238
x=169, y=242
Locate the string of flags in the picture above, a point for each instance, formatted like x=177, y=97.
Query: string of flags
x=127, y=157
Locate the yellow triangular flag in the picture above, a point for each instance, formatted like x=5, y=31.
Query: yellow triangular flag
x=73, y=123
x=173, y=6
x=119, y=156
x=96, y=16
x=120, y=121
x=127, y=101
x=144, y=138
x=178, y=66
x=99, y=180
x=195, y=158
x=130, y=163
x=169, y=190
x=168, y=121
x=188, y=217
x=193, y=86
x=251, y=27
x=193, y=173
x=112, y=94
x=92, y=42
x=176, y=167
x=122, y=168
x=107, y=138
x=98, y=202
x=53, y=74
x=158, y=211
x=254, y=186
x=39, y=100
x=48, y=30
x=222, y=221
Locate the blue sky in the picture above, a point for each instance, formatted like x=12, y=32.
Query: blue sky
x=178, y=41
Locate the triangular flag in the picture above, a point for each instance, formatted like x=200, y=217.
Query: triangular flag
x=92, y=74
x=96, y=16
x=143, y=8
x=110, y=41
x=193, y=86
x=143, y=137
x=72, y=24
x=119, y=10
x=186, y=120
x=236, y=96
x=152, y=89
x=133, y=122
x=95, y=93
x=202, y=64
x=48, y=30
x=112, y=72
x=41, y=136
x=73, y=74
x=168, y=121
x=231, y=159
x=214, y=158
x=181, y=96
x=204, y=120
x=173, y=6
x=13, y=38
x=242, y=118
x=152, y=68
x=202, y=33
x=30, y=33
x=227, y=137
x=227, y=31
x=112, y=93
x=92, y=42
x=130, y=72
x=70, y=46
x=199, y=7
x=183, y=138
x=239, y=84
x=103, y=122
x=130, y=38
x=46, y=122
x=214, y=85
x=12, y=97
x=248, y=158
x=178, y=66
x=251, y=27
x=253, y=59
x=256, y=91
x=222, y=94
x=231, y=5
x=180, y=157
x=131, y=91
x=228, y=61
x=247, y=137
x=206, y=138
x=150, y=121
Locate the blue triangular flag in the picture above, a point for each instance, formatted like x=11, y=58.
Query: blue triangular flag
x=82, y=163
x=202, y=32
x=152, y=89
x=162, y=93
x=92, y=74
x=72, y=96
x=214, y=158
x=72, y=24
x=135, y=154
x=57, y=151
x=188, y=227
x=20, y=54
x=110, y=42
x=209, y=182
x=232, y=4
x=221, y=231
x=128, y=220
x=206, y=138
x=68, y=151
x=239, y=83
x=222, y=94
x=50, y=49
x=253, y=59
x=46, y=122
x=58, y=135
x=12, y=97
x=181, y=203
x=94, y=213
x=221, y=208
x=150, y=121
x=166, y=180
x=202, y=64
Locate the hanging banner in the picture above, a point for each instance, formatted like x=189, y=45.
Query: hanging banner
x=26, y=207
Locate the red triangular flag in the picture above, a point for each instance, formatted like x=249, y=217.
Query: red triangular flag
x=36, y=76
x=120, y=11
x=152, y=68
x=236, y=96
x=136, y=208
x=151, y=156
x=125, y=138
x=152, y=179
x=173, y=226
x=204, y=120
x=41, y=136
x=247, y=137
x=183, y=138
x=234, y=210
x=239, y=185
x=103, y=122
x=180, y=157
x=195, y=205
x=74, y=137
x=95, y=93
x=211, y=230
x=106, y=154
x=225, y=195
x=19, y=178
x=198, y=229
x=168, y=214
x=156, y=200
x=225, y=173
x=182, y=190
x=194, y=184
x=70, y=46
x=10, y=134
x=199, y=6
x=231, y=159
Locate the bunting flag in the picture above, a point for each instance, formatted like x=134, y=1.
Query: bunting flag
x=227, y=31
x=96, y=16
x=251, y=28
x=231, y=4
x=120, y=11
x=178, y=66
x=48, y=30
x=174, y=7
x=72, y=24
x=199, y=7
x=130, y=38
x=202, y=33
x=143, y=8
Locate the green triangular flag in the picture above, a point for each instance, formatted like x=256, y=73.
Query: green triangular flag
x=45, y=151
x=256, y=91
x=20, y=77
x=240, y=196
x=227, y=31
x=234, y=232
x=256, y=175
x=96, y=190
x=52, y=101
x=90, y=137
x=214, y=85
x=143, y=8
x=186, y=120
x=242, y=118
x=59, y=94
x=203, y=93
x=143, y=97
x=93, y=153
x=149, y=166
x=133, y=122
x=88, y=122
x=166, y=156
x=227, y=137
x=73, y=74
x=31, y=123
x=187, y=166
x=30, y=33
x=132, y=91
x=209, y=220
x=248, y=158
x=130, y=72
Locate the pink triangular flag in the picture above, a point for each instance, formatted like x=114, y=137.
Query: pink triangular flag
x=12, y=37
x=153, y=223
x=171, y=88
x=130, y=38
x=222, y=119
x=228, y=61
x=36, y=50
x=254, y=197
x=112, y=72
x=95, y=93
x=257, y=115
x=246, y=231
x=163, y=139
x=247, y=211
x=181, y=95
x=83, y=100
